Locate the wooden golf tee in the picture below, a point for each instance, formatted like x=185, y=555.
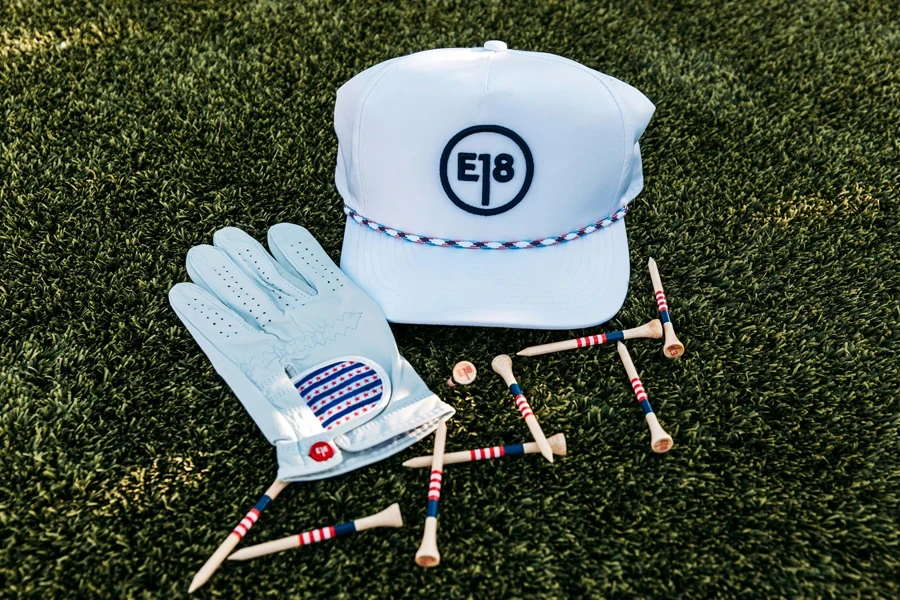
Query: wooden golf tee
x=428, y=555
x=236, y=536
x=557, y=444
x=660, y=441
x=463, y=374
x=652, y=329
x=502, y=365
x=389, y=517
x=672, y=346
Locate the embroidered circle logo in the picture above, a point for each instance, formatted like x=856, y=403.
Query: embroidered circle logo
x=321, y=451
x=486, y=169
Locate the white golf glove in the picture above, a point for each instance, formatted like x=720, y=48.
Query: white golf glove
x=309, y=355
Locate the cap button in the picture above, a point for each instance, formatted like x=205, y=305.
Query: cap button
x=495, y=45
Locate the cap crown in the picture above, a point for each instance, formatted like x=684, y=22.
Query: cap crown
x=479, y=144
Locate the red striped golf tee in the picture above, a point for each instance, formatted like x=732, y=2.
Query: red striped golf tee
x=434, y=486
x=591, y=340
x=246, y=523
x=434, y=493
x=485, y=453
x=642, y=399
x=522, y=403
x=252, y=517
x=661, y=301
x=316, y=535
x=638, y=389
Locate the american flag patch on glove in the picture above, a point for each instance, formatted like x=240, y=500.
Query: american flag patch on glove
x=341, y=391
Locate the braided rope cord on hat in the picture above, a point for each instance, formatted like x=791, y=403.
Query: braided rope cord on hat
x=541, y=243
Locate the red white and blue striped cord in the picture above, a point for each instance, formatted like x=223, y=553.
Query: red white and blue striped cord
x=431, y=241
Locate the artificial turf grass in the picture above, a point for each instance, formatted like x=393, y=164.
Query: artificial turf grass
x=770, y=203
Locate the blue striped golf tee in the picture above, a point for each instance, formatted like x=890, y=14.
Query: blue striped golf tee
x=662, y=306
x=496, y=452
x=325, y=533
x=248, y=521
x=531, y=421
x=428, y=554
x=521, y=402
x=389, y=517
x=594, y=340
x=660, y=441
x=642, y=399
x=434, y=493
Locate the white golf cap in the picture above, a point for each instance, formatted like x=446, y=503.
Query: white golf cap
x=487, y=186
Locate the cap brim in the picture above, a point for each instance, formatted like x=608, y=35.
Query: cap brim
x=577, y=284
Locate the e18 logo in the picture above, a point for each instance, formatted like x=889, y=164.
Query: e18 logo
x=502, y=173
x=502, y=177
x=321, y=451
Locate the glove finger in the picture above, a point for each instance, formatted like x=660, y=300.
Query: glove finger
x=210, y=318
x=285, y=289
x=222, y=335
x=213, y=270
x=298, y=252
